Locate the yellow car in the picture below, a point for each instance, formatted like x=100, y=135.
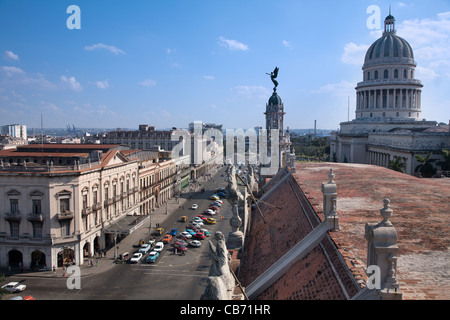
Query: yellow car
x=183, y=219
x=211, y=220
x=214, y=197
x=159, y=231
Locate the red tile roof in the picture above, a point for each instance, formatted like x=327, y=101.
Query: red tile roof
x=421, y=210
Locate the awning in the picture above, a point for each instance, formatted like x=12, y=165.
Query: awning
x=127, y=225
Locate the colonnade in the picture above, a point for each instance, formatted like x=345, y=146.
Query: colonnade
x=389, y=98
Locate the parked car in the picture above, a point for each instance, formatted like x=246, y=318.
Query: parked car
x=195, y=243
x=180, y=246
x=202, y=217
x=217, y=204
x=14, y=287
x=194, y=206
x=152, y=256
x=197, y=219
x=214, y=197
x=219, y=201
x=159, y=231
x=159, y=246
x=167, y=238
x=211, y=221
x=186, y=234
x=136, y=257
x=191, y=231
x=205, y=232
x=183, y=219
x=210, y=212
x=199, y=235
x=145, y=248
x=174, y=231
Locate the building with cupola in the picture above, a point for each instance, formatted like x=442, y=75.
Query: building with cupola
x=388, y=125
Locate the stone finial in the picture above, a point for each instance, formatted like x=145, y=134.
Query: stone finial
x=331, y=176
x=386, y=213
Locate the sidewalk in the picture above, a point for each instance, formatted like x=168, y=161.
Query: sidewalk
x=105, y=263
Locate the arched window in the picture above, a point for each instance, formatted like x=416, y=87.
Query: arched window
x=368, y=75
x=376, y=75
x=396, y=74
x=386, y=74
x=405, y=74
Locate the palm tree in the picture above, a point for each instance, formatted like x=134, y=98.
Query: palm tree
x=425, y=167
x=397, y=164
x=445, y=164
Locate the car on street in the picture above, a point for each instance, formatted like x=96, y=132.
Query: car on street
x=145, y=248
x=183, y=219
x=202, y=217
x=206, y=232
x=159, y=231
x=191, y=231
x=152, y=256
x=174, y=231
x=186, y=234
x=166, y=239
x=217, y=204
x=215, y=208
x=14, y=287
x=194, y=206
x=219, y=201
x=214, y=197
x=197, y=219
x=199, y=235
x=211, y=221
x=159, y=246
x=195, y=243
x=180, y=246
x=210, y=212
x=136, y=257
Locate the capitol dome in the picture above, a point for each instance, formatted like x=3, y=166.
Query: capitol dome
x=389, y=90
x=389, y=48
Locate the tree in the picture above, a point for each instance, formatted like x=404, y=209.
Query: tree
x=397, y=164
x=425, y=167
x=445, y=164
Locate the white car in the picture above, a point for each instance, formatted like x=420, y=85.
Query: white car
x=14, y=287
x=197, y=220
x=186, y=234
x=210, y=212
x=194, y=206
x=159, y=246
x=219, y=201
x=145, y=248
x=136, y=257
x=195, y=243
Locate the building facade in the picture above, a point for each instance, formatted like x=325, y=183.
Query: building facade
x=388, y=124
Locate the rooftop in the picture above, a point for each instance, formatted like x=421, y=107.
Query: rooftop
x=420, y=214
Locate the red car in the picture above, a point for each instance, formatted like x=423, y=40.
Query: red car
x=199, y=235
x=202, y=217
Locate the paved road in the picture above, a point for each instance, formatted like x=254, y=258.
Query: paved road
x=172, y=277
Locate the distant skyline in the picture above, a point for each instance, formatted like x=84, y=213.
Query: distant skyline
x=168, y=63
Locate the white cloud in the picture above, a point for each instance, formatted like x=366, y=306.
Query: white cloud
x=343, y=88
x=102, y=84
x=111, y=49
x=354, y=53
x=252, y=91
x=209, y=77
x=148, y=83
x=11, y=70
x=72, y=83
x=425, y=73
x=169, y=51
x=287, y=44
x=233, y=45
x=11, y=55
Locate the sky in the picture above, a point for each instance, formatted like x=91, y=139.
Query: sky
x=171, y=62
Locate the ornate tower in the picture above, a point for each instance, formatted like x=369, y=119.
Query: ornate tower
x=274, y=121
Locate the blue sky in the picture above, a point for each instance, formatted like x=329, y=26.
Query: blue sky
x=168, y=63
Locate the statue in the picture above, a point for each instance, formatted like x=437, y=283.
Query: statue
x=232, y=188
x=220, y=265
x=273, y=75
x=215, y=290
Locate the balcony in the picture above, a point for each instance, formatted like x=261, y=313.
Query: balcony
x=13, y=216
x=65, y=215
x=35, y=217
x=108, y=202
x=97, y=206
x=86, y=211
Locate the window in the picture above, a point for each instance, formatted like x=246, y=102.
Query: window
x=405, y=74
x=396, y=74
x=376, y=75
x=14, y=228
x=386, y=74
x=65, y=228
x=37, y=230
x=14, y=205
x=368, y=75
x=36, y=206
x=64, y=205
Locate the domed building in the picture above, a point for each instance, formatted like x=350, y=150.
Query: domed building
x=388, y=123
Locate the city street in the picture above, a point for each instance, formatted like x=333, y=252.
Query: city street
x=171, y=277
